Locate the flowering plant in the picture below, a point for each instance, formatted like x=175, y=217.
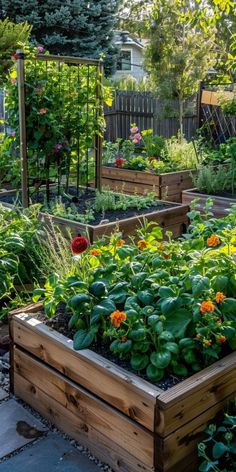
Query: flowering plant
x=165, y=306
x=61, y=116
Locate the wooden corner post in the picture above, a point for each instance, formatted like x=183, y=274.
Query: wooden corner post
x=98, y=137
x=22, y=126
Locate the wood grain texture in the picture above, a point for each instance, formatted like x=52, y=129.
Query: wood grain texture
x=125, y=391
x=173, y=449
x=167, y=186
x=221, y=205
x=84, y=417
x=91, y=413
x=187, y=400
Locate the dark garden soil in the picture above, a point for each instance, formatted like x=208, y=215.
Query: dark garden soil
x=85, y=201
x=60, y=324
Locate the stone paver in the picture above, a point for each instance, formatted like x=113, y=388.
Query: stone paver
x=3, y=394
x=17, y=427
x=49, y=454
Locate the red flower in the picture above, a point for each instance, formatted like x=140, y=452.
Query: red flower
x=119, y=161
x=79, y=244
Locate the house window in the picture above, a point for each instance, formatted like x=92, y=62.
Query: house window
x=124, y=60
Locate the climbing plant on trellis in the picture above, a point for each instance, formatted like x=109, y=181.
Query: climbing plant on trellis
x=61, y=121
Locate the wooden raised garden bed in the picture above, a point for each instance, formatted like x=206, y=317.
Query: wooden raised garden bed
x=221, y=205
x=172, y=218
x=167, y=186
x=125, y=421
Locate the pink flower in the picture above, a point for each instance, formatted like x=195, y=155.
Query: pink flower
x=134, y=130
x=57, y=147
x=42, y=111
x=13, y=134
x=137, y=137
x=40, y=49
x=13, y=81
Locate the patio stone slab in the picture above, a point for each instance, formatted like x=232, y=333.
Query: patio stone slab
x=51, y=453
x=3, y=394
x=17, y=427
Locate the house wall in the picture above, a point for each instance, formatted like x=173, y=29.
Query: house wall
x=136, y=60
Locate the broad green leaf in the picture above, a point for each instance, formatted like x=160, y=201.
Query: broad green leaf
x=75, y=302
x=153, y=373
x=199, y=285
x=160, y=359
x=139, y=361
x=83, y=339
x=98, y=288
x=177, y=322
x=219, y=449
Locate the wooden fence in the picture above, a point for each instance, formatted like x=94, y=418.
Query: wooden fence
x=147, y=111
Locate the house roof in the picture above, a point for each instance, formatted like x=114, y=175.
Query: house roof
x=124, y=37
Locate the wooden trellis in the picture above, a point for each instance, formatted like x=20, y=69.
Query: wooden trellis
x=214, y=123
x=88, y=74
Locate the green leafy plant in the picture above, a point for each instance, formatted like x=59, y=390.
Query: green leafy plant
x=218, y=449
x=167, y=308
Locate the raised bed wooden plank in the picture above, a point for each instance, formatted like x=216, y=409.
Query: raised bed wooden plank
x=125, y=391
x=178, y=424
x=221, y=205
x=103, y=447
x=130, y=187
x=173, y=449
x=195, y=395
x=173, y=217
x=130, y=175
x=167, y=186
x=92, y=414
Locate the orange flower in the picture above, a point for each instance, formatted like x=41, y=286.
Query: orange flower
x=142, y=244
x=221, y=339
x=213, y=241
x=219, y=297
x=160, y=246
x=207, y=342
x=117, y=317
x=120, y=243
x=206, y=307
x=95, y=252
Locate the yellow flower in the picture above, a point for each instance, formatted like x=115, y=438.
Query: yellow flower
x=213, y=241
x=207, y=342
x=117, y=317
x=219, y=297
x=95, y=252
x=142, y=244
x=206, y=307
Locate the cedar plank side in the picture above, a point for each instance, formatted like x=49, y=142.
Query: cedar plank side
x=193, y=396
x=91, y=413
x=125, y=391
x=221, y=205
x=183, y=442
x=102, y=447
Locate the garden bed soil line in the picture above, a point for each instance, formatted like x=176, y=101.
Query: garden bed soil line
x=173, y=217
x=221, y=204
x=124, y=420
x=168, y=186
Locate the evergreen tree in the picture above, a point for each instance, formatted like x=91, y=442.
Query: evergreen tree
x=69, y=27
x=11, y=35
